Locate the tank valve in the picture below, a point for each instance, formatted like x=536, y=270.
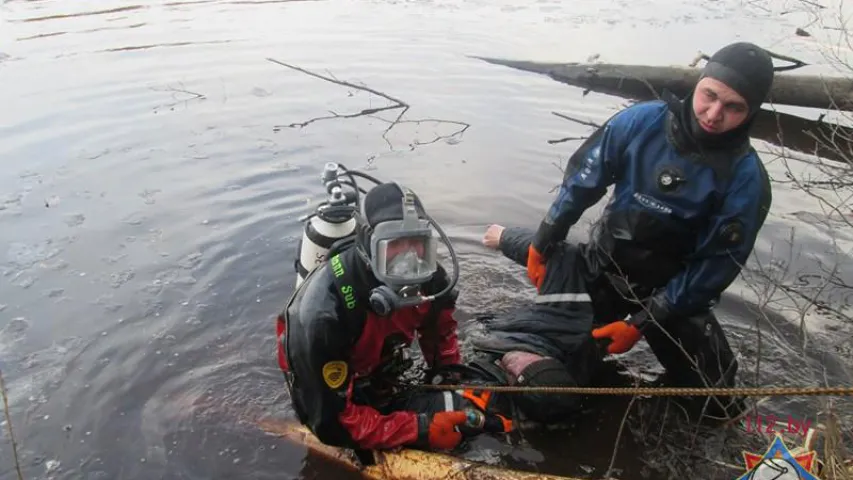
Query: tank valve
x=330, y=172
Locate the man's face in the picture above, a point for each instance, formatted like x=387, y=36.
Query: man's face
x=402, y=245
x=717, y=107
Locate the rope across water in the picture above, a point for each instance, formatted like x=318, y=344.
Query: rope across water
x=654, y=391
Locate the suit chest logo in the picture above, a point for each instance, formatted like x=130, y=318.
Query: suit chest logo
x=652, y=203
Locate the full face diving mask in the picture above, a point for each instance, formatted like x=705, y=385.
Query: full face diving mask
x=403, y=252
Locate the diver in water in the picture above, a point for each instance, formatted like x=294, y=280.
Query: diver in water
x=345, y=335
x=690, y=196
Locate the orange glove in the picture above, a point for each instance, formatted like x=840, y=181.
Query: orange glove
x=623, y=336
x=535, y=266
x=442, y=430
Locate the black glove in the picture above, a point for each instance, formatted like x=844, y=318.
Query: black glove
x=654, y=308
x=479, y=422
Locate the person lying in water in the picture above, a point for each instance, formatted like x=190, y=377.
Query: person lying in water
x=547, y=343
x=554, y=342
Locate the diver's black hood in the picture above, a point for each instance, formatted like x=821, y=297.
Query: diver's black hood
x=746, y=68
x=742, y=66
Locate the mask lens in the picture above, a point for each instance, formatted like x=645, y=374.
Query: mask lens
x=407, y=259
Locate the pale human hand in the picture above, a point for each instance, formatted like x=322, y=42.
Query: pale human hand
x=492, y=238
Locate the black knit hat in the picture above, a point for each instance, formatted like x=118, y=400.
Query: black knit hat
x=384, y=202
x=746, y=68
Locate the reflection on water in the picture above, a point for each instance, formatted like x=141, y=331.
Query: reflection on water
x=150, y=206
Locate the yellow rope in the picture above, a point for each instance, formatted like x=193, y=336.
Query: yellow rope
x=653, y=391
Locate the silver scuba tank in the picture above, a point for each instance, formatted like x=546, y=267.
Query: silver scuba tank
x=333, y=220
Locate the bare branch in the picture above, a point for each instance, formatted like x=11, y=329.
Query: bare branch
x=174, y=91
x=572, y=119
x=9, y=427
x=812, y=3
x=698, y=58
x=566, y=139
x=340, y=82
x=365, y=112
x=396, y=104
x=797, y=63
x=609, y=472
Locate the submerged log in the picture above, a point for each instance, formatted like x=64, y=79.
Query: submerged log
x=829, y=141
x=647, y=82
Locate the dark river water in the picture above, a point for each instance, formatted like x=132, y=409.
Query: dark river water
x=149, y=205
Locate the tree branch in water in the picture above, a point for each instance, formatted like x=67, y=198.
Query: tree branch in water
x=396, y=104
x=175, y=91
x=9, y=427
x=566, y=139
x=572, y=119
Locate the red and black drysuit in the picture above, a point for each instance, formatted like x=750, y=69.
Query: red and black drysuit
x=317, y=328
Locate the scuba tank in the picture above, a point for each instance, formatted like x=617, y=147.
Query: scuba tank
x=333, y=220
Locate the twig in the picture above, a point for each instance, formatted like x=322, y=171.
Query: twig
x=572, y=119
x=820, y=305
x=699, y=56
x=462, y=130
x=181, y=90
x=762, y=7
x=194, y=95
x=397, y=104
x=718, y=462
x=340, y=82
x=812, y=3
x=9, y=426
x=562, y=173
x=645, y=82
x=566, y=139
x=796, y=62
x=366, y=111
x=609, y=471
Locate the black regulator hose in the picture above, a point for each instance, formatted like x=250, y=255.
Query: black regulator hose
x=353, y=184
x=454, y=260
x=364, y=175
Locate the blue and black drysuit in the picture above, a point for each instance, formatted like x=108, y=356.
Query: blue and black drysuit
x=682, y=220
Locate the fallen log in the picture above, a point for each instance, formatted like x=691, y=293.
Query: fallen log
x=647, y=82
x=403, y=463
x=830, y=141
